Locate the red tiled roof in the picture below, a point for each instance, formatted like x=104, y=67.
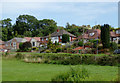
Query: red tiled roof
x=112, y=34
x=37, y=38
x=87, y=34
x=78, y=48
x=28, y=38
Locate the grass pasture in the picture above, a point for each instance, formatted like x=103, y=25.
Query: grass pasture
x=16, y=70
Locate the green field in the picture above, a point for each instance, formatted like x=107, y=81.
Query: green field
x=16, y=70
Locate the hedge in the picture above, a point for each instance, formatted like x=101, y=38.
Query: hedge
x=75, y=59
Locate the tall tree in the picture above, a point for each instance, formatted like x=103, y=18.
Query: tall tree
x=6, y=23
x=6, y=27
x=76, y=30
x=25, y=23
x=105, y=35
x=47, y=26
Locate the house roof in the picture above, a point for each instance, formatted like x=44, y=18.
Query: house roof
x=60, y=33
x=78, y=48
x=37, y=38
x=28, y=38
x=112, y=34
x=18, y=39
x=87, y=35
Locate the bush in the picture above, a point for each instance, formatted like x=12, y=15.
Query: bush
x=19, y=56
x=58, y=49
x=74, y=74
x=80, y=43
x=35, y=48
x=113, y=46
x=65, y=38
x=48, y=51
x=75, y=59
x=24, y=47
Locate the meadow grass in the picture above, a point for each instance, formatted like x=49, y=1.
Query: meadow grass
x=16, y=70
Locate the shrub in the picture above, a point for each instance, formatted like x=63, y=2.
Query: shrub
x=19, y=56
x=65, y=38
x=58, y=49
x=24, y=47
x=21, y=46
x=80, y=43
x=74, y=74
x=27, y=45
x=113, y=45
x=48, y=51
x=35, y=48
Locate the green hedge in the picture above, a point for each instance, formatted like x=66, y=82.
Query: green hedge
x=74, y=59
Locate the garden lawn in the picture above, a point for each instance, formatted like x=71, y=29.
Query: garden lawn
x=16, y=70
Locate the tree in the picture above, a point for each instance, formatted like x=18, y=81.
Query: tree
x=49, y=44
x=6, y=23
x=4, y=34
x=25, y=23
x=65, y=38
x=6, y=27
x=47, y=26
x=76, y=30
x=105, y=35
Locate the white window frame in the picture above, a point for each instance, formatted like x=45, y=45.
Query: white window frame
x=46, y=38
x=91, y=34
x=60, y=37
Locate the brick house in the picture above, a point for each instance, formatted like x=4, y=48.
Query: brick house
x=90, y=34
x=95, y=34
x=35, y=41
x=115, y=36
x=2, y=44
x=13, y=44
x=57, y=36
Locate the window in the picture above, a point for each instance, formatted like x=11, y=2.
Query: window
x=14, y=43
x=118, y=32
x=46, y=38
x=60, y=37
x=6, y=44
x=91, y=34
x=10, y=44
x=33, y=43
x=42, y=39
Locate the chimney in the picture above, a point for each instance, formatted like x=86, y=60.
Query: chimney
x=57, y=30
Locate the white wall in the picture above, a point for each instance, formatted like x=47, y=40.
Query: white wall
x=53, y=39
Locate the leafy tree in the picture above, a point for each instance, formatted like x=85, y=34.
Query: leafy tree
x=105, y=35
x=25, y=23
x=4, y=34
x=6, y=27
x=65, y=38
x=6, y=23
x=47, y=26
x=28, y=33
x=76, y=30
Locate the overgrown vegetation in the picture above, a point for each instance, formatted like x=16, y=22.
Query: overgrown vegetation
x=75, y=74
x=74, y=59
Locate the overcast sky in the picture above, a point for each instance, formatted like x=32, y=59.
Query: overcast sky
x=79, y=13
